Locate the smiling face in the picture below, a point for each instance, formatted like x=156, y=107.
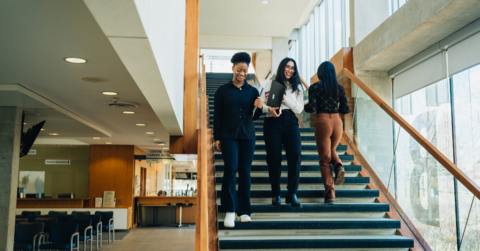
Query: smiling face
x=289, y=70
x=240, y=71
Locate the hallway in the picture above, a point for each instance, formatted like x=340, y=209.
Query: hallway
x=158, y=238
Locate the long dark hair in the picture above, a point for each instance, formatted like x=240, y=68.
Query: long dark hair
x=294, y=80
x=328, y=79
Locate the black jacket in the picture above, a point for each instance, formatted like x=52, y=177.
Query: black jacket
x=233, y=111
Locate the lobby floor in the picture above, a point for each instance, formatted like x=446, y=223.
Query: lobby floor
x=153, y=238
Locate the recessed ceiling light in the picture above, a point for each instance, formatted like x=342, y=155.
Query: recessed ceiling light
x=42, y=129
x=96, y=138
x=150, y=133
x=108, y=143
x=54, y=134
x=265, y=2
x=156, y=139
x=128, y=112
x=76, y=60
x=109, y=93
x=24, y=123
x=140, y=124
x=161, y=144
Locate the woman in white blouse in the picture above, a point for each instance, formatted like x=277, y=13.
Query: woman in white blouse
x=281, y=128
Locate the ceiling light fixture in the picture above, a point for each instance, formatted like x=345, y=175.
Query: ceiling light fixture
x=96, y=138
x=265, y=2
x=108, y=143
x=128, y=112
x=150, y=133
x=109, y=93
x=140, y=124
x=161, y=144
x=156, y=139
x=76, y=60
x=42, y=129
x=24, y=123
x=54, y=134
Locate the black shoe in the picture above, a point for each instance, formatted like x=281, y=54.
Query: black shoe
x=276, y=201
x=292, y=199
x=339, y=174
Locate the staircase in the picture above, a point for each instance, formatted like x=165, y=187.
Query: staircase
x=355, y=222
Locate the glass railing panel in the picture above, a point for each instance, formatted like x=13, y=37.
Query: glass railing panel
x=373, y=134
x=423, y=188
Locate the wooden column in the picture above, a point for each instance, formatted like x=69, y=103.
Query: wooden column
x=187, y=144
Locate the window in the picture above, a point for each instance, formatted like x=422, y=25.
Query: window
x=323, y=35
x=395, y=5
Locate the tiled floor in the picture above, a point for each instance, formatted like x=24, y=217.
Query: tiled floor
x=154, y=238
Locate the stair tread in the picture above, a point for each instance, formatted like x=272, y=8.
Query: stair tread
x=303, y=180
x=302, y=220
x=317, y=193
x=318, y=208
x=314, y=237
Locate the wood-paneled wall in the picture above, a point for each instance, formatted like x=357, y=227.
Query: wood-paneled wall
x=112, y=169
x=187, y=144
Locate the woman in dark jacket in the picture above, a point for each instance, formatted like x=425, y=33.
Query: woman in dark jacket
x=328, y=99
x=234, y=134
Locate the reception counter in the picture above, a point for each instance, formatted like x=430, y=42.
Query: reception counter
x=188, y=213
x=52, y=203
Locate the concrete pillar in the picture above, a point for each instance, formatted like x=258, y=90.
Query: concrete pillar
x=10, y=133
x=279, y=51
x=365, y=16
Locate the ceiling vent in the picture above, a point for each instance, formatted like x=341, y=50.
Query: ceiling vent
x=122, y=104
x=95, y=79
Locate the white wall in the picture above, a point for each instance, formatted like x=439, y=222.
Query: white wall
x=235, y=42
x=164, y=23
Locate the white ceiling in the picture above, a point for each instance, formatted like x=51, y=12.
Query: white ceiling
x=36, y=37
x=250, y=17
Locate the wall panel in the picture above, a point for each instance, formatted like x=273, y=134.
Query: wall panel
x=112, y=169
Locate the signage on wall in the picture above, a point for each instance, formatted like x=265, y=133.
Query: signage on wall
x=153, y=161
x=158, y=154
x=185, y=176
x=32, y=152
x=57, y=162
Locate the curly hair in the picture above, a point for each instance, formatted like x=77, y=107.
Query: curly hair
x=241, y=57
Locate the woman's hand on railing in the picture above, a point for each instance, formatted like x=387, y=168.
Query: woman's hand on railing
x=273, y=111
x=218, y=146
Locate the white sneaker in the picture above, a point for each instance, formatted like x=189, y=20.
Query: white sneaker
x=229, y=220
x=245, y=218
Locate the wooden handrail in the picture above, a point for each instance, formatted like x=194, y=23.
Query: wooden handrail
x=442, y=159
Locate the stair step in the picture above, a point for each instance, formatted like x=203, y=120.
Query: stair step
x=365, y=193
x=315, y=242
x=310, y=226
x=220, y=167
x=304, y=186
x=306, y=146
x=305, y=157
x=318, y=208
x=301, y=129
x=303, y=180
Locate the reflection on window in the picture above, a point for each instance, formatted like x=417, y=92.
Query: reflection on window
x=466, y=99
x=425, y=190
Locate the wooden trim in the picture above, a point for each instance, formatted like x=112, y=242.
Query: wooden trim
x=407, y=229
x=442, y=159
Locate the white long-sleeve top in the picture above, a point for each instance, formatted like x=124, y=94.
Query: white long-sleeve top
x=293, y=101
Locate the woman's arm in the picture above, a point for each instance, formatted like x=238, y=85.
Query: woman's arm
x=344, y=108
x=295, y=104
x=267, y=85
x=311, y=106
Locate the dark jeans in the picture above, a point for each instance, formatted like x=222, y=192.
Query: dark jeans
x=237, y=156
x=277, y=132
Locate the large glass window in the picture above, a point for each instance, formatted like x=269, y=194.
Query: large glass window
x=425, y=189
x=466, y=99
x=337, y=25
x=395, y=5
x=323, y=32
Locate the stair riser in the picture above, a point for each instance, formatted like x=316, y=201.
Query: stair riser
x=303, y=180
x=285, y=174
x=277, y=216
x=313, y=167
x=304, y=186
x=312, y=200
x=306, y=232
x=305, y=162
x=311, y=244
x=323, y=249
